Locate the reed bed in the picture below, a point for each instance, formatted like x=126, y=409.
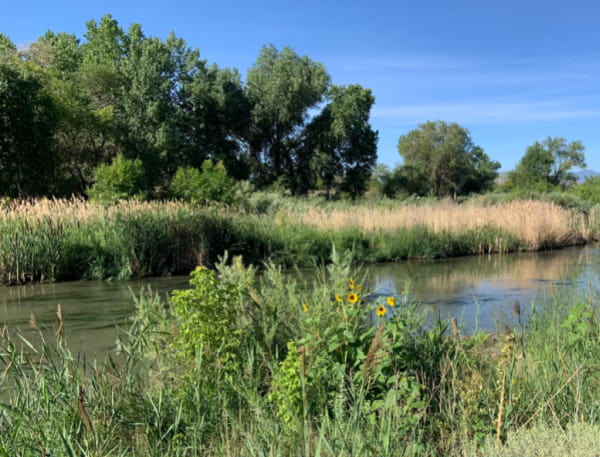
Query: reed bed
x=536, y=223
x=55, y=240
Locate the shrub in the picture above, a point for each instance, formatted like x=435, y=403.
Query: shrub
x=211, y=185
x=121, y=180
x=588, y=190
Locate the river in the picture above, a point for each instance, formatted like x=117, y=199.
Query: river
x=479, y=291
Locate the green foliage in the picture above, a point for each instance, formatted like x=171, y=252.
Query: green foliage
x=117, y=91
x=407, y=180
x=342, y=141
x=351, y=346
x=121, y=180
x=588, y=190
x=246, y=365
x=547, y=165
x=207, y=329
x=210, y=185
x=8, y=50
x=445, y=155
x=281, y=86
x=26, y=127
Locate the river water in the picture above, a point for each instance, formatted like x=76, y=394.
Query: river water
x=479, y=291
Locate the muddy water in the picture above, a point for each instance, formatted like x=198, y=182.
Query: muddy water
x=479, y=291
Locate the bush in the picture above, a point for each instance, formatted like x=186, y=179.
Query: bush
x=569, y=201
x=588, y=190
x=121, y=180
x=211, y=185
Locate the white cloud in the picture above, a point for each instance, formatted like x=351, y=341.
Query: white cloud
x=482, y=113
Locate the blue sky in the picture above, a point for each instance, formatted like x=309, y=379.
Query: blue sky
x=511, y=72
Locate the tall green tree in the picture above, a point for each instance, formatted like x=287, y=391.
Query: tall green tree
x=8, y=50
x=214, y=119
x=345, y=145
x=146, y=112
x=282, y=87
x=84, y=136
x=445, y=154
x=547, y=164
x=27, y=120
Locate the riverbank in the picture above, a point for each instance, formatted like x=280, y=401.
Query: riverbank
x=240, y=367
x=58, y=240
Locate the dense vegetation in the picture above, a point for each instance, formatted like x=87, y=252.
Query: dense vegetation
x=242, y=366
x=71, y=105
x=118, y=114
x=57, y=240
x=167, y=162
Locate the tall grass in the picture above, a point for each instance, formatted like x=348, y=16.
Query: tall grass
x=536, y=224
x=238, y=366
x=73, y=239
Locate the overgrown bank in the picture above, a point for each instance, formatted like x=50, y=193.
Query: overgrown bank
x=241, y=367
x=57, y=240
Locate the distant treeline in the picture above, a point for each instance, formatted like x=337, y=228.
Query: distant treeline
x=139, y=116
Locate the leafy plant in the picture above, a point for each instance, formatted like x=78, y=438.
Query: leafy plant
x=210, y=185
x=121, y=180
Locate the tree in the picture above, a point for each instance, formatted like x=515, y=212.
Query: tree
x=547, y=164
x=84, y=136
x=27, y=122
x=8, y=50
x=445, y=154
x=346, y=145
x=406, y=180
x=281, y=87
x=214, y=119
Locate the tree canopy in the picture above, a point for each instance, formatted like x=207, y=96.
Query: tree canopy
x=445, y=156
x=281, y=86
x=547, y=164
x=343, y=144
x=88, y=100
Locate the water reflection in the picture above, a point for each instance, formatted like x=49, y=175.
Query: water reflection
x=91, y=309
x=479, y=291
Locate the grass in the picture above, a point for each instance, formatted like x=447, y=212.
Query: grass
x=56, y=240
x=237, y=366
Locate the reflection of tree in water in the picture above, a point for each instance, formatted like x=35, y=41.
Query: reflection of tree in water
x=518, y=271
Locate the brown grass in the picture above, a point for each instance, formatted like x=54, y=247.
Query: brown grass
x=79, y=209
x=534, y=222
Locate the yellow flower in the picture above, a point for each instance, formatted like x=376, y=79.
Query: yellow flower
x=351, y=283
x=391, y=301
x=352, y=298
x=359, y=287
x=338, y=298
x=381, y=310
x=305, y=307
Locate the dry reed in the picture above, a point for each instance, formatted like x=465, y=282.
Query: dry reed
x=79, y=209
x=534, y=222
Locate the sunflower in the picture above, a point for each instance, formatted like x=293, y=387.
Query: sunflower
x=391, y=301
x=338, y=298
x=352, y=298
x=381, y=310
x=359, y=287
x=351, y=283
x=305, y=307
